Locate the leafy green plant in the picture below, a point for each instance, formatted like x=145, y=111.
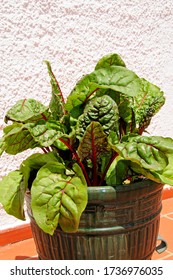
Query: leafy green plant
x=93, y=138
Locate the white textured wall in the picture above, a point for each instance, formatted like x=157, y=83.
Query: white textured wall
x=73, y=35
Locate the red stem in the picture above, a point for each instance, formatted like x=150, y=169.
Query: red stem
x=86, y=99
x=77, y=159
x=94, y=159
x=44, y=117
x=48, y=149
x=44, y=150
x=61, y=94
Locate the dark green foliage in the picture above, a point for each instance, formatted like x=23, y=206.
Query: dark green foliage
x=93, y=138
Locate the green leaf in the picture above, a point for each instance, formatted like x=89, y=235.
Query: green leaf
x=12, y=192
x=127, y=117
x=94, y=143
x=109, y=60
x=2, y=145
x=45, y=132
x=105, y=160
x=27, y=110
x=126, y=114
x=100, y=109
x=144, y=150
x=166, y=175
x=57, y=101
x=32, y=164
x=147, y=103
x=117, y=78
x=117, y=172
x=12, y=129
x=151, y=156
x=69, y=135
x=18, y=139
x=58, y=199
x=78, y=171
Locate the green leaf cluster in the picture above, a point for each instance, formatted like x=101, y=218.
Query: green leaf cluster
x=95, y=137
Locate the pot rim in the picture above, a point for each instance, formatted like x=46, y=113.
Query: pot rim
x=135, y=190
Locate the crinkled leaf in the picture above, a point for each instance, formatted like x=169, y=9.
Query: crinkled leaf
x=45, y=132
x=94, y=143
x=32, y=164
x=138, y=110
x=12, y=192
x=117, y=78
x=101, y=109
x=126, y=114
x=151, y=156
x=109, y=60
x=25, y=110
x=147, y=103
x=124, y=103
x=165, y=145
x=144, y=151
x=58, y=199
x=57, y=102
x=18, y=139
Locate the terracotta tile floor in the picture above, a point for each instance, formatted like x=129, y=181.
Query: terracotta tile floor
x=26, y=249
x=166, y=230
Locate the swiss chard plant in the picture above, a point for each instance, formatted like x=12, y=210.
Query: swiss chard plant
x=93, y=138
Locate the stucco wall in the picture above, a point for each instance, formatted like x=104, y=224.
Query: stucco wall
x=73, y=35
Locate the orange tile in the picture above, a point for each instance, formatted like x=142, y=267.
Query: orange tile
x=157, y=256
x=166, y=231
x=12, y=235
x=20, y=250
x=26, y=258
x=167, y=193
x=170, y=216
x=170, y=257
x=167, y=206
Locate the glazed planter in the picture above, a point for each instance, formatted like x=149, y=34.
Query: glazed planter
x=119, y=223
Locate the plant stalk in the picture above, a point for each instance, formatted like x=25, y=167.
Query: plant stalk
x=44, y=150
x=94, y=160
x=90, y=95
x=107, y=167
x=77, y=159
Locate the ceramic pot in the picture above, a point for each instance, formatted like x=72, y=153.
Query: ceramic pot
x=119, y=223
